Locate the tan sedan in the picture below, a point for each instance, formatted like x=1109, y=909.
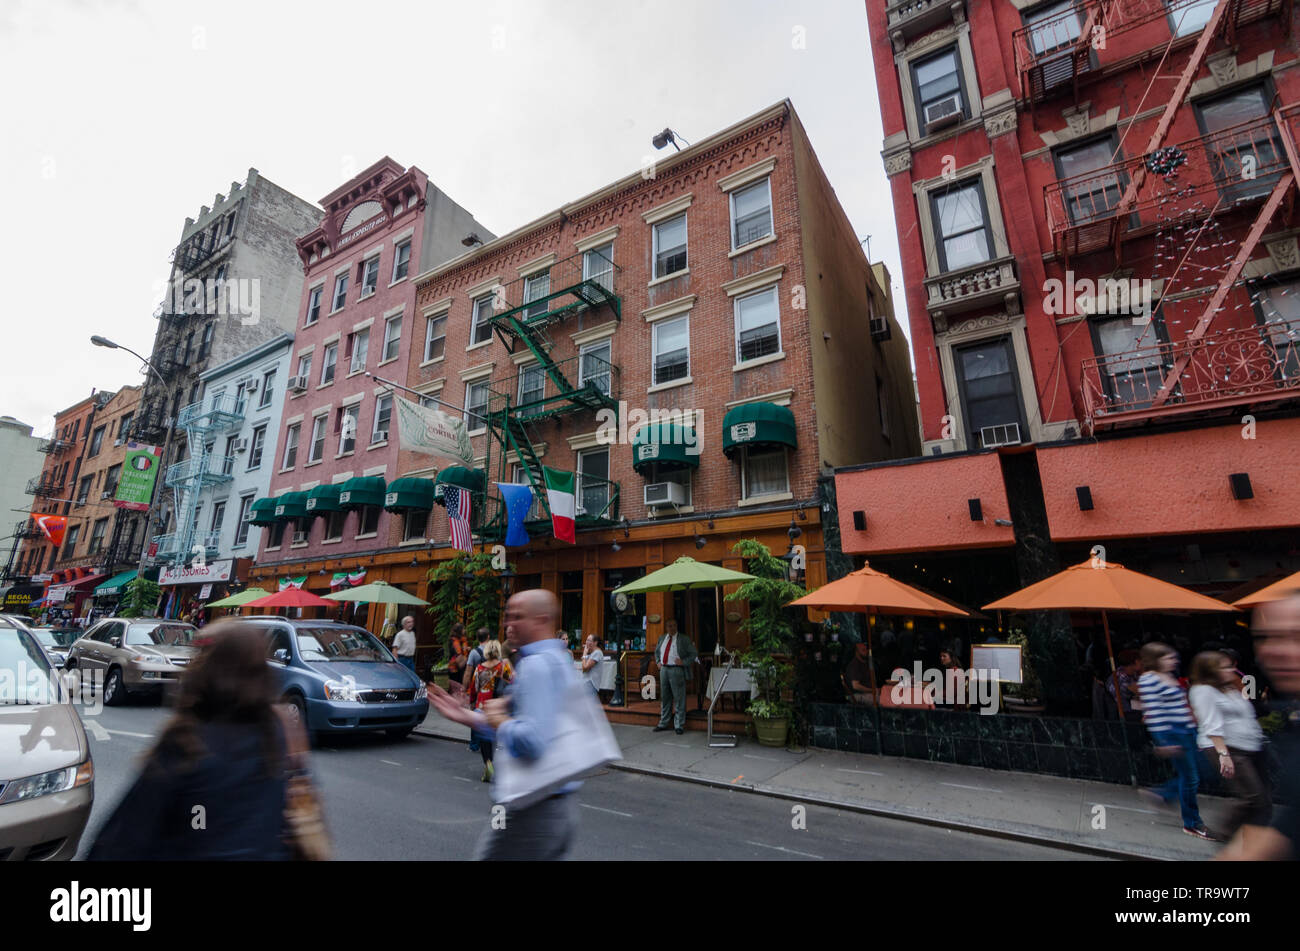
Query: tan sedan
x=47, y=778
x=133, y=655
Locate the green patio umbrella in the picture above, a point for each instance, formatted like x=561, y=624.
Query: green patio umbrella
x=240, y=599
x=682, y=574
x=377, y=592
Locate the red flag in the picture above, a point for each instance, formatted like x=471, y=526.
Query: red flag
x=53, y=526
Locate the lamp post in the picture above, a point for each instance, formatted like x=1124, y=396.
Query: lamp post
x=99, y=341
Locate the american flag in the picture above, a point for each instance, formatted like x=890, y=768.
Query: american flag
x=457, y=501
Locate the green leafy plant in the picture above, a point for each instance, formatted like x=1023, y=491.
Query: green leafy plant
x=1031, y=687
x=770, y=627
x=464, y=589
x=140, y=598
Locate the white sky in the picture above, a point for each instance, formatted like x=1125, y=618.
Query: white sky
x=123, y=117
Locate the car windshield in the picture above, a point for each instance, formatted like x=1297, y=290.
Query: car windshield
x=341, y=643
x=160, y=634
x=52, y=638
x=24, y=671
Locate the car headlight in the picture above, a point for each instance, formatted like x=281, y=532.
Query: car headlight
x=341, y=690
x=422, y=692
x=55, y=781
x=147, y=659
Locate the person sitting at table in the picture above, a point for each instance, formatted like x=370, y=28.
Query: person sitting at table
x=857, y=675
x=592, y=656
x=674, y=653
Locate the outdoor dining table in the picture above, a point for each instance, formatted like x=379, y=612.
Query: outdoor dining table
x=606, y=673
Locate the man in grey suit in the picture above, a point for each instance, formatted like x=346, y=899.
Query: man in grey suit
x=674, y=653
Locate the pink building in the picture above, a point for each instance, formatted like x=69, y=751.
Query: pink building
x=334, y=455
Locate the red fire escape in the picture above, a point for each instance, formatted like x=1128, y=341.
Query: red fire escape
x=1188, y=185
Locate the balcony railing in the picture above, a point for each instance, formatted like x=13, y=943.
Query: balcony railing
x=55, y=446
x=199, y=471
x=43, y=486
x=217, y=413
x=27, y=529
x=1253, y=365
x=571, y=285
x=986, y=284
x=535, y=392
x=1227, y=169
x=168, y=544
x=198, y=249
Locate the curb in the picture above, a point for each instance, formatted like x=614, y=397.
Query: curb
x=886, y=812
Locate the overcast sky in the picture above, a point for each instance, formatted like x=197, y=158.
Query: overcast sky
x=124, y=117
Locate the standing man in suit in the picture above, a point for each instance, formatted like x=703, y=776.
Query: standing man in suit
x=674, y=653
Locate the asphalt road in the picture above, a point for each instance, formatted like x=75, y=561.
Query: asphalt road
x=421, y=798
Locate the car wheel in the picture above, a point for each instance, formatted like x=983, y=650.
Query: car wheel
x=400, y=733
x=114, y=691
x=297, y=710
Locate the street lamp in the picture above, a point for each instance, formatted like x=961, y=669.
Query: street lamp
x=507, y=581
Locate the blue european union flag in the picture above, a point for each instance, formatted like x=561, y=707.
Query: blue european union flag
x=518, y=499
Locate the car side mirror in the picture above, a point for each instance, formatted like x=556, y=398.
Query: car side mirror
x=281, y=656
x=115, y=641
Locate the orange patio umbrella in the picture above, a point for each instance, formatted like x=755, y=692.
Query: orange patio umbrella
x=875, y=592
x=1274, y=592
x=1097, y=584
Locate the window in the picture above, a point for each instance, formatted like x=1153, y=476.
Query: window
x=383, y=418
x=228, y=460
x=594, y=366
x=240, y=402
x=255, y=451
x=598, y=266
x=1233, y=155
x=882, y=406
x=347, y=427
x=415, y=526
x=268, y=389
x=369, y=276
x=481, y=331
x=359, y=347
x=83, y=493
x=97, y=536
x=938, y=89
x=124, y=427
x=97, y=441
x=1133, y=372
x=111, y=478
x=1054, y=32
x=291, y=446
x=593, y=484
x=430, y=401
x=435, y=338
x=70, y=543
x=317, y=451
x=751, y=213
x=313, y=304
x=672, y=349
x=340, y=292
x=334, y=525
x=194, y=395
x=245, y=513
x=990, y=392
x=189, y=347
x=537, y=286
x=532, y=383
x=680, y=476
x=1190, y=19
x=304, y=366
x=329, y=360
x=670, y=246
x=519, y=476
x=275, y=535
x=1279, y=310
x=961, y=226
x=476, y=402
x=205, y=347
x=1098, y=189
x=368, y=522
x=401, y=261
x=392, y=337
x=758, y=332
x=763, y=472
x=218, y=516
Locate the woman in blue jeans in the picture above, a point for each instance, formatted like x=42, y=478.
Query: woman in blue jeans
x=1169, y=720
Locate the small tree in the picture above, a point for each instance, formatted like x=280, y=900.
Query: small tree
x=140, y=598
x=451, y=581
x=769, y=625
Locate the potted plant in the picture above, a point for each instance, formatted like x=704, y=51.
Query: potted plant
x=140, y=598
x=771, y=630
x=1026, y=696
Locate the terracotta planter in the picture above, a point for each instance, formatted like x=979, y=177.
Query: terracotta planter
x=771, y=731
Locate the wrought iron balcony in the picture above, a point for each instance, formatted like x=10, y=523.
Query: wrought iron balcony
x=539, y=391
x=216, y=414
x=27, y=529
x=55, y=446
x=569, y=287
x=200, y=471
x=168, y=545
x=1251, y=366
x=1225, y=170
x=988, y=284
x=44, y=486
x=194, y=252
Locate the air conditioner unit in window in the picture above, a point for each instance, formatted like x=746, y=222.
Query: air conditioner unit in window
x=300, y=538
x=879, y=325
x=944, y=112
x=106, y=495
x=298, y=384
x=1004, y=434
x=241, y=445
x=665, y=493
x=118, y=443
x=250, y=386
x=381, y=435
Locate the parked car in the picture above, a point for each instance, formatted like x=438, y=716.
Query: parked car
x=56, y=641
x=47, y=777
x=136, y=655
x=340, y=678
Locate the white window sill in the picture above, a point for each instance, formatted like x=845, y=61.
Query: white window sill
x=311, y=323
x=368, y=535
x=297, y=394
x=413, y=541
x=476, y=432
x=287, y=469
x=253, y=468
x=654, y=511
x=758, y=362
x=670, y=277
x=389, y=360
x=399, y=281
x=308, y=465
x=332, y=541
x=269, y=548
x=480, y=345
x=336, y=310
x=377, y=445
x=429, y=363
x=325, y=386
x=670, y=385
x=766, y=499
x=358, y=371
x=746, y=248
x=343, y=454
x=300, y=545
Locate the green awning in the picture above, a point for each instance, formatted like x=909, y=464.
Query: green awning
x=409, y=495
x=475, y=480
x=291, y=505
x=671, y=445
x=263, y=512
x=324, y=499
x=116, y=584
x=363, y=490
x=764, y=425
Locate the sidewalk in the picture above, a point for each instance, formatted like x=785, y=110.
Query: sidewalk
x=1042, y=809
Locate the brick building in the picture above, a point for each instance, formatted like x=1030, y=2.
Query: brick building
x=724, y=290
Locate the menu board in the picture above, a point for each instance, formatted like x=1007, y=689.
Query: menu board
x=1004, y=658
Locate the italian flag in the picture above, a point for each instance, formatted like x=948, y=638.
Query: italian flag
x=560, y=498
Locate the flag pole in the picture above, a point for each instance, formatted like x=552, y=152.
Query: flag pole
x=423, y=396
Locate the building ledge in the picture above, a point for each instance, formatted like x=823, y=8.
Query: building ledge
x=988, y=284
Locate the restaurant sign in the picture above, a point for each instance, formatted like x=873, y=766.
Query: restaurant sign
x=139, y=471
x=198, y=574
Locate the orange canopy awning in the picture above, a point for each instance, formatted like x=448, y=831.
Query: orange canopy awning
x=1275, y=592
x=876, y=592
x=1106, y=586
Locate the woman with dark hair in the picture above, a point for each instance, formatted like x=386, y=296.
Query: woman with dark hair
x=215, y=784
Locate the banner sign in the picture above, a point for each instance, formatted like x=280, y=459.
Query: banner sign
x=139, y=472
x=20, y=597
x=432, y=432
x=287, y=583
x=58, y=595
x=198, y=574
x=53, y=526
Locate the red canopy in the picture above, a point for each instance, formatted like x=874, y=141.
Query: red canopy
x=291, y=598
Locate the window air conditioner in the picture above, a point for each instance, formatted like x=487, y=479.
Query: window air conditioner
x=300, y=538
x=879, y=325
x=381, y=435
x=298, y=384
x=665, y=493
x=241, y=445
x=250, y=386
x=106, y=495
x=118, y=443
x=944, y=112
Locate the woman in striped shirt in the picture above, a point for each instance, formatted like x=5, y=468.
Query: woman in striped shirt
x=1169, y=720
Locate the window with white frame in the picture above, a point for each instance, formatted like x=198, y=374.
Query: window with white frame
x=268, y=389
x=369, y=276
x=758, y=325
x=751, y=213
x=304, y=366
x=481, y=331
x=218, y=517
x=763, y=472
x=255, y=451
x=392, y=337
x=317, y=451
x=435, y=337
x=291, y=446
x=401, y=260
x=359, y=346
x=347, y=427
x=340, y=292
x=682, y=477
x=329, y=362
x=532, y=383
x=594, y=366
x=383, y=418
x=228, y=460
x=961, y=226
x=598, y=266
x=537, y=286
x=476, y=404
x=593, y=482
x=313, y=304
x=671, y=342
x=245, y=513
x=670, y=246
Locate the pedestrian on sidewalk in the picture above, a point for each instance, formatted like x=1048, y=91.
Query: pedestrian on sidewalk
x=592, y=657
x=1169, y=721
x=457, y=658
x=404, y=644
x=674, y=653
x=488, y=683
x=1230, y=738
x=471, y=663
x=229, y=751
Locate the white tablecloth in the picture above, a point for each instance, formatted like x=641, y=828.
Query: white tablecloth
x=605, y=675
x=738, y=681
